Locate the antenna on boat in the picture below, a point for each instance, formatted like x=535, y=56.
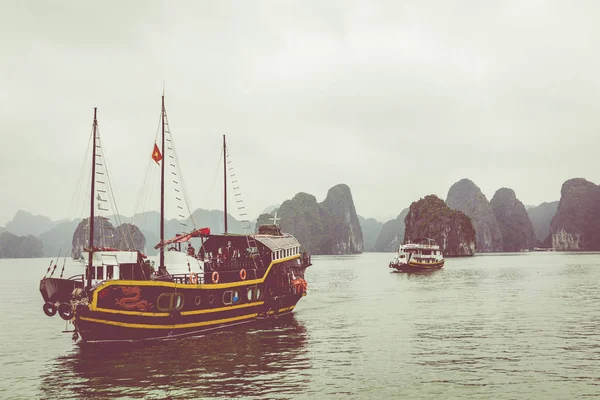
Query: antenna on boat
x=162, y=186
x=275, y=219
x=91, y=243
x=225, y=182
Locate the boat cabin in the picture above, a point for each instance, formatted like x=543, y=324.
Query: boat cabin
x=115, y=264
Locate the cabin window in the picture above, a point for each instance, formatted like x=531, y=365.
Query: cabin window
x=163, y=303
x=228, y=297
x=110, y=270
x=236, y=297
x=169, y=301
x=100, y=273
x=250, y=293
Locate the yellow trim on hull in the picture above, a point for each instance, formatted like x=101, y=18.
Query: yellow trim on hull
x=165, y=314
x=282, y=310
x=93, y=305
x=181, y=326
x=174, y=326
x=425, y=265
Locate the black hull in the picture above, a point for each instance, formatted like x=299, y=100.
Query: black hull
x=410, y=267
x=105, y=327
x=148, y=310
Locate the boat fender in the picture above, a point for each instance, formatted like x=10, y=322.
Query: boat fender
x=49, y=309
x=215, y=277
x=194, y=278
x=65, y=311
x=243, y=274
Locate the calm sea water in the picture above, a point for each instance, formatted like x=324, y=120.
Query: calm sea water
x=493, y=326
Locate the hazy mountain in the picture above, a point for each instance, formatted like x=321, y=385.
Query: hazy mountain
x=24, y=223
x=330, y=227
x=370, y=228
x=392, y=233
x=452, y=230
x=541, y=217
x=465, y=196
x=513, y=221
x=13, y=246
x=59, y=238
x=576, y=224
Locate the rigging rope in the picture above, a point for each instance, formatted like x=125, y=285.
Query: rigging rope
x=179, y=173
x=212, y=189
x=128, y=232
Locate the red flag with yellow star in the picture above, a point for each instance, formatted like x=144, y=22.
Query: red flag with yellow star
x=156, y=156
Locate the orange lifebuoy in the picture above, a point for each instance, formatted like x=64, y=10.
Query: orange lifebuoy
x=215, y=277
x=193, y=278
x=243, y=274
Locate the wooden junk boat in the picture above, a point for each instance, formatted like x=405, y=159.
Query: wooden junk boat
x=422, y=255
x=235, y=279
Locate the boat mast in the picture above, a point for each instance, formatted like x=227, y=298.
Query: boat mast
x=91, y=242
x=162, y=188
x=225, y=181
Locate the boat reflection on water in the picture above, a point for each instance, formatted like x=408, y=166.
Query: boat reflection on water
x=260, y=360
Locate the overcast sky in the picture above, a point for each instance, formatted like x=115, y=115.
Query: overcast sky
x=396, y=99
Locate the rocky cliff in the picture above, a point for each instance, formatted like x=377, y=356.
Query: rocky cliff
x=465, y=196
x=514, y=223
x=576, y=224
x=129, y=237
x=452, y=230
x=541, y=217
x=392, y=233
x=13, y=246
x=370, y=228
x=103, y=235
x=330, y=227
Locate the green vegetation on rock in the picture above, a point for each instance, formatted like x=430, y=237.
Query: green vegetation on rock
x=465, y=196
x=13, y=246
x=576, y=224
x=452, y=230
x=331, y=227
x=515, y=226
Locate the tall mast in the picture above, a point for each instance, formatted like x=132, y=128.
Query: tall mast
x=225, y=181
x=93, y=190
x=162, y=188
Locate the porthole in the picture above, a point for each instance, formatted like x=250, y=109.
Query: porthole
x=163, y=303
x=250, y=293
x=169, y=301
x=198, y=300
x=236, y=297
x=258, y=293
x=228, y=297
x=212, y=299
